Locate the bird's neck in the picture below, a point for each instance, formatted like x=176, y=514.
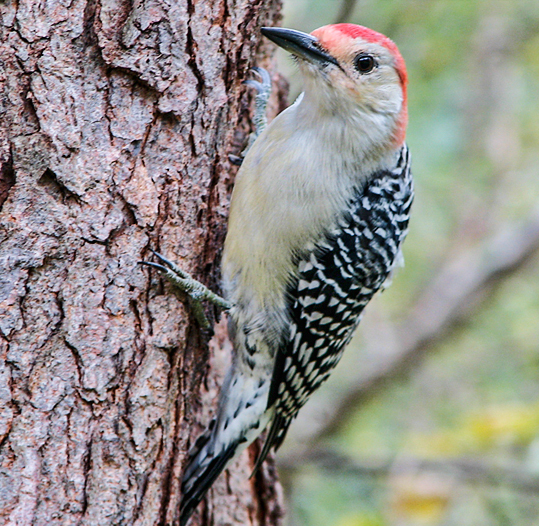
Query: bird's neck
x=364, y=140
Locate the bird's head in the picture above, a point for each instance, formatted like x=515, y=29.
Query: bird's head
x=350, y=69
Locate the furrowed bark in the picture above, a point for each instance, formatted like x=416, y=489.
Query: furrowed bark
x=117, y=119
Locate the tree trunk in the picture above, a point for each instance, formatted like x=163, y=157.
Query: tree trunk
x=117, y=121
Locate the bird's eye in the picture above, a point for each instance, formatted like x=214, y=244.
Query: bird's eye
x=365, y=63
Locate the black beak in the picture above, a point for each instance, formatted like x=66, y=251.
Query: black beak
x=300, y=44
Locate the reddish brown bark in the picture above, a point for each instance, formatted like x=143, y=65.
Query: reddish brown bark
x=117, y=121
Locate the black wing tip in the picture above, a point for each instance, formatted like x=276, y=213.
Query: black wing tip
x=274, y=438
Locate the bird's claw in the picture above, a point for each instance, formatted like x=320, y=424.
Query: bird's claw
x=196, y=291
x=263, y=92
x=263, y=88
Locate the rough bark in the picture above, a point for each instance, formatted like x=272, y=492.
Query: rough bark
x=117, y=119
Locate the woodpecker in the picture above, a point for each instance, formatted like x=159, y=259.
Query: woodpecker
x=318, y=215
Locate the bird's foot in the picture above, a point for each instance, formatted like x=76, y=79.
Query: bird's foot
x=263, y=89
x=196, y=291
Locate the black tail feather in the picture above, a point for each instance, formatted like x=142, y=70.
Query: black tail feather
x=194, y=491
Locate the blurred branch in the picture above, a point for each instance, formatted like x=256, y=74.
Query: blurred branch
x=458, y=288
x=347, y=7
x=464, y=469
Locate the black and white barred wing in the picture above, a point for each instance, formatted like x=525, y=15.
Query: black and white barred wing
x=337, y=278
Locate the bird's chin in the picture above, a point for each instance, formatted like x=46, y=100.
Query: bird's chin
x=315, y=76
x=308, y=68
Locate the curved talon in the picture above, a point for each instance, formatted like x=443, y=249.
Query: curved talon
x=163, y=258
x=253, y=83
x=264, y=75
x=263, y=87
x=235, y=159
x=154, y=265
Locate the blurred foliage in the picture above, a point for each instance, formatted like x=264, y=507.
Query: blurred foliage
x=474, y=135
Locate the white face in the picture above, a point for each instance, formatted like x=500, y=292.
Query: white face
x=366, y=76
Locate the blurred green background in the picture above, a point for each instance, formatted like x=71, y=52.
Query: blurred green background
x=432, y=417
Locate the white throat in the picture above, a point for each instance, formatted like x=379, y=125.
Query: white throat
x=359, y=139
